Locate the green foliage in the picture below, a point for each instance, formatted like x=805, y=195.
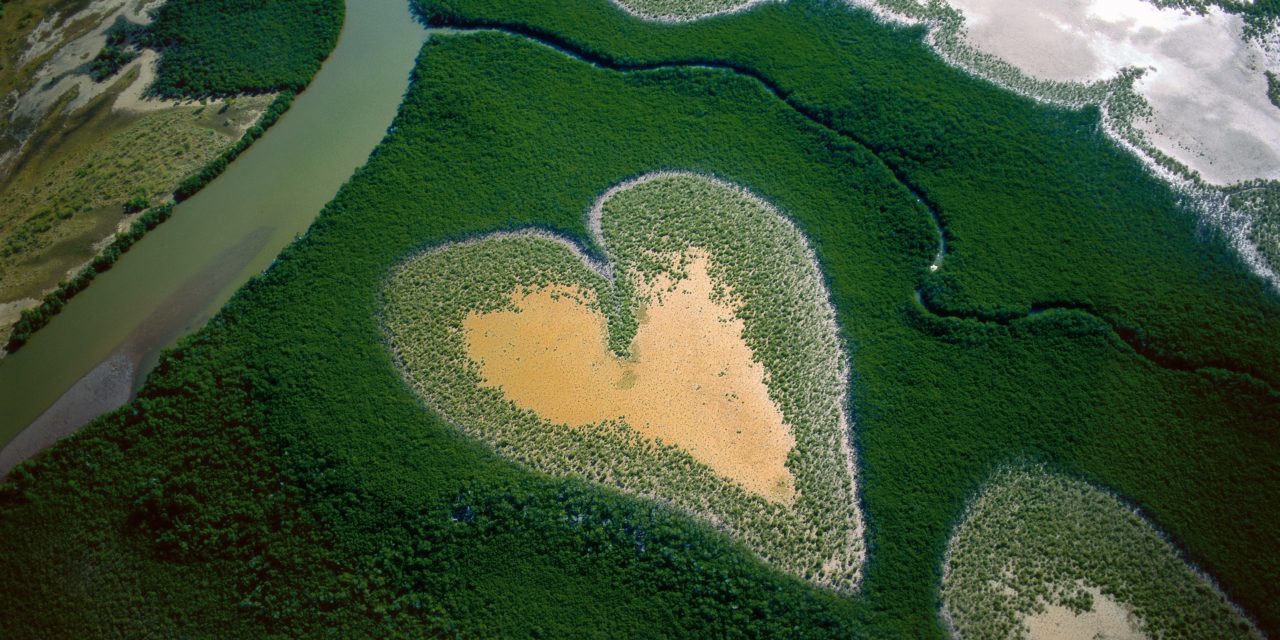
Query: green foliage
x=33, y=320
x=119, y=50
x=109, y=61
x=224, y=47
x=393, y=523
x=1273, y=88
x=1032, y=538
x=194, y=183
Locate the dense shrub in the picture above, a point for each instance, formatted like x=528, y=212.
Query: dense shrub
x=226, y=47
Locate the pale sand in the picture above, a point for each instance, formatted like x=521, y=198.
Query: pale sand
x=691, y=381
x=1204, y=81
x=11, y=311
x=1108, y=620
x=64, y=70
x=132, y=99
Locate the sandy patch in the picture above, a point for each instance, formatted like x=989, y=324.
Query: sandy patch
x=1204, y=81
x=691, y=381
x=133, y=99
x=10, y=312
x=64, y=70
x=1107, y=620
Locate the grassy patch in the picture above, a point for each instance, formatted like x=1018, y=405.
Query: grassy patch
x=47, y=202
x=1031, y=538
x=678, y=10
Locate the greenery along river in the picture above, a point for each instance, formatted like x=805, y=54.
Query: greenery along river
x=103, y=343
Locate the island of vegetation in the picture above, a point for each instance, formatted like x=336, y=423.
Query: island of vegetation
x=699, y=365
x=1040, y=555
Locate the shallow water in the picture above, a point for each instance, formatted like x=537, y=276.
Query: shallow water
x=177, y=277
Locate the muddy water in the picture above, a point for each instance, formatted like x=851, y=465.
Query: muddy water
x=94, y=354
x=691, y=381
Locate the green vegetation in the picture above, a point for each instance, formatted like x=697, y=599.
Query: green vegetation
x=150, y=155
x=278, y=477
x=226, y=47
x=1273, y=88
x=109, y=61
x=57, y=206
x=647, y=228
x=1032, y=538
x=118, y=51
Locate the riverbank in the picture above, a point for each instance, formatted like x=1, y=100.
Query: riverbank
x=279, y=184
x=87, y=148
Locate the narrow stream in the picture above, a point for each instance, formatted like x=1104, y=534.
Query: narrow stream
x=95, y=354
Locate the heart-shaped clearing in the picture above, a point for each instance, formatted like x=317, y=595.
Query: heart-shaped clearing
x=690, y=381
x=700, y=366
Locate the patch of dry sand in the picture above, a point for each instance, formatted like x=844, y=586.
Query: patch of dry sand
x=11, y=312
x=1108, y=620
x=691, y=380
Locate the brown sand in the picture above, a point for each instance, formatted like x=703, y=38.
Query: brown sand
x=1108, y=620
x=691, y=380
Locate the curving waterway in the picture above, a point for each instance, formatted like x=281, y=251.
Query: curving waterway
x=94, y=355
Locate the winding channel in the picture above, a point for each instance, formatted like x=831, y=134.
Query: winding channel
x=1125, y=336
x=95, y=354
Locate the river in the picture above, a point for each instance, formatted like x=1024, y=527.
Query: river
x=94, y=355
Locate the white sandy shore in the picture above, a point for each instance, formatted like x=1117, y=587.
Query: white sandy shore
x=1203, y=80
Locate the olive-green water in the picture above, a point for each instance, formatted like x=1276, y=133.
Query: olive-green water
x=177, y=277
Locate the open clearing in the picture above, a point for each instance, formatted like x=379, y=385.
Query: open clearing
x=699, y=366
x=1043, y=556
x=1107, y=620
x=690, y=380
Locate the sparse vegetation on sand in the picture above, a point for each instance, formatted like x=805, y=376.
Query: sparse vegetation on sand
x=683, y=10
x=649, y=230
x=1032, y=539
